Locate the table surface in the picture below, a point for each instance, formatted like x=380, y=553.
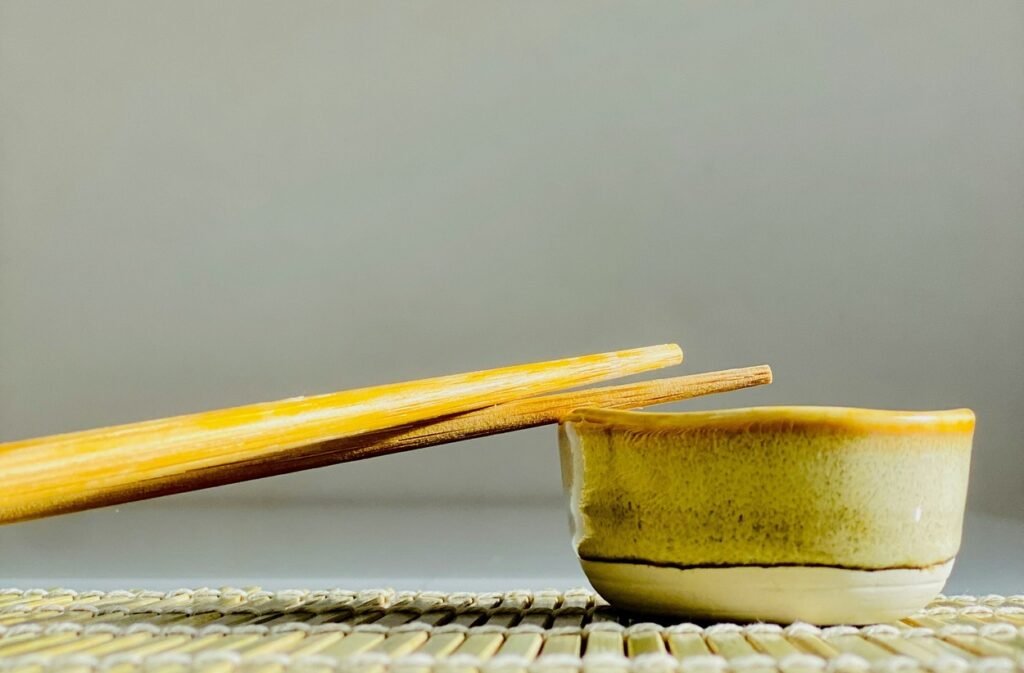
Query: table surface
x=374, y=631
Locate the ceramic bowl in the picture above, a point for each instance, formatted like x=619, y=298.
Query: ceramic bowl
x=821, y=514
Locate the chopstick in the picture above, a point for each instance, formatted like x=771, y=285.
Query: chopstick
x=79, y=470
x=507, y=417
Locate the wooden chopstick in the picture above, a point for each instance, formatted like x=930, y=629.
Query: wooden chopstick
x=52, y=474
x=515, y=415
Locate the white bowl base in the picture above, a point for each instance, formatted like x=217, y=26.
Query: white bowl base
x=782, y=594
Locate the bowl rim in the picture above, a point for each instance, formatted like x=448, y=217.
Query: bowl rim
x=849, y=419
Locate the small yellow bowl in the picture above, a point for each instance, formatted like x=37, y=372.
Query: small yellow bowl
x=822, y=514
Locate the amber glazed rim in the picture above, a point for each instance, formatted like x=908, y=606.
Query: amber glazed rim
x=784, y=418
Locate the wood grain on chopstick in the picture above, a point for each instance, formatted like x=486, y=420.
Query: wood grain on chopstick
x=55, y=474
x=515, y=415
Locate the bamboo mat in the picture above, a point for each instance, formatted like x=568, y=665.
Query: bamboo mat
x=227, y=630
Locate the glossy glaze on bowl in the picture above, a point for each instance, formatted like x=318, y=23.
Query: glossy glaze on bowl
x=861, y=491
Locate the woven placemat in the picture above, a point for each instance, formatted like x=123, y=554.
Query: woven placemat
x=225, y=630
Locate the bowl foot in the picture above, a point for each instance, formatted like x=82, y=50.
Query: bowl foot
x=783, y=594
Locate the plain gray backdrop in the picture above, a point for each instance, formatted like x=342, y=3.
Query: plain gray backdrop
x=207, y=204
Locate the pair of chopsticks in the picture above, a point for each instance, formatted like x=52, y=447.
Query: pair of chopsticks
x=80, y=470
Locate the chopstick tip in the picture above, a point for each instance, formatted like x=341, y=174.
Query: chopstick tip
x=675, y=351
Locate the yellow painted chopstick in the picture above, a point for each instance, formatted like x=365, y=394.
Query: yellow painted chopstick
x=79, y=470
x=507, y=417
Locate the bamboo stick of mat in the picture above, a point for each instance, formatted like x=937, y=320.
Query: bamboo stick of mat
x=515, y=415
x=53, y=474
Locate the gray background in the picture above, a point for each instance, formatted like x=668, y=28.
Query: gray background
x=207, y=204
